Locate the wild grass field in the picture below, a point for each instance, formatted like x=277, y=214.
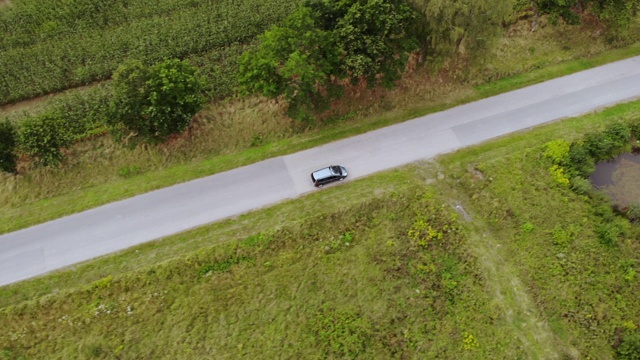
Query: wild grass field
x=388, y=278
x=478, y=255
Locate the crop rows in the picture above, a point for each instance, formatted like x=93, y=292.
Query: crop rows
x=92, y=55
x=27, y=22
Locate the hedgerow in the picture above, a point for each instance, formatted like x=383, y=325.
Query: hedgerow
x=44, y=136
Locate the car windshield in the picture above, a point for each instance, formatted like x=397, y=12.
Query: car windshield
x=336, y=170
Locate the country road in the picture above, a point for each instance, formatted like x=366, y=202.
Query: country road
x=59, y=243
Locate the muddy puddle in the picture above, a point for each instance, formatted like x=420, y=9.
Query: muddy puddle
x=619, y=178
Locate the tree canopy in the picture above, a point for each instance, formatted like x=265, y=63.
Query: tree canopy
x=325, y=41
x=157, y=101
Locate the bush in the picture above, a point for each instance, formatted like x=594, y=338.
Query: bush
x=609, y=233
x=8, y=157
x=557, y=151
x=580, y=185
x=633, y=212
x=85, y=112
x=44, y=136
x=634, y=129
x=581, y=162
x=629, y=348
x=155, y=102
x=558, y=174
x=604, y=145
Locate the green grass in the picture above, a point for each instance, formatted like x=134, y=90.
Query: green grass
x=579, y=284
x=359, y=287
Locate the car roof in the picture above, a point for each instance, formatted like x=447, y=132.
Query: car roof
x=322, y=173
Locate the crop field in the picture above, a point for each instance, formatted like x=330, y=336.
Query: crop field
x=65, y=44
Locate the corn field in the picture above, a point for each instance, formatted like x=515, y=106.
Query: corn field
x=48, y=46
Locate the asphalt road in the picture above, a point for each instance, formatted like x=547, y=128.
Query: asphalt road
x=59, y=243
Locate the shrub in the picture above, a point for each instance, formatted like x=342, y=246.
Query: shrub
x=85, y=112
x=629, y=348
x=559, y=176
x=633, y=212
x=8, y=135
x=581, y=162
x=618, y=134
x=44, y=136
x=580, y=185
x=557, y=151
x=610, y=142
x=634, y=129
x=155, y=102
x=609, y=233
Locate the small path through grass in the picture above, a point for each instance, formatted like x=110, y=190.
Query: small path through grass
x=510, y=295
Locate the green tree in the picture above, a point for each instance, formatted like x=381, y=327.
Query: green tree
x=44, y=137
x=155, y=102
x=372, y=36
x=8, y=135
x=296, y=60
x=324, y=41
x=565, y=9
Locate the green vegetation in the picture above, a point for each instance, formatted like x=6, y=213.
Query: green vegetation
x=44, y=136
x=226, y=138
x=8, y=136
x=614, y=14
x=325, y=42
x=392, y=271
x=447, y=28
x=577, y=265
x=360, y=287
x=154, y=102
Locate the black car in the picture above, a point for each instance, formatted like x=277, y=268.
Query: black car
x=329, y=174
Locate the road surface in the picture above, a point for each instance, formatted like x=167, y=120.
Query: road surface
x=39, y=249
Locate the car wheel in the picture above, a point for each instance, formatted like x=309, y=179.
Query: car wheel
x=341, y=179
x=320, y=185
